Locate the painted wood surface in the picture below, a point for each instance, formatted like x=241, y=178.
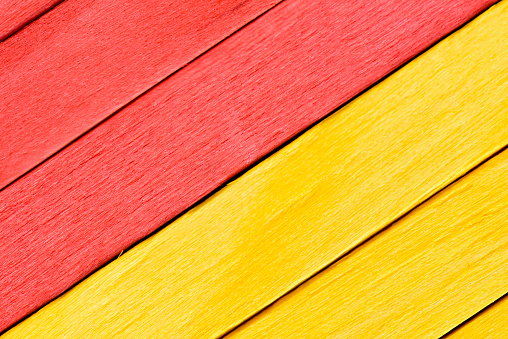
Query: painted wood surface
x=78, y=64
x=14, y=14
x=85, y=59
x=207, y=122
x=421, y=277
x=491, y=323
x=309, y=203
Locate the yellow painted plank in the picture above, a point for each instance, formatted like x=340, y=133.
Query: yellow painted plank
x=299, y=210
x=421, y=277
x=492, y=323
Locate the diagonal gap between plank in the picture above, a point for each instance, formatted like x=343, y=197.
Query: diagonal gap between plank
x=486, y=159
x=257, y=162
x=29, y=21
x=474, y=316
x=366, y=240
x=137, y=97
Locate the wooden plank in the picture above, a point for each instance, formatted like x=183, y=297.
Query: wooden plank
x=84, y=60
x=77, y=65
x=491, y=323
x=14, y=14
x=303, y=207
x=186, y=137
x=421, y=277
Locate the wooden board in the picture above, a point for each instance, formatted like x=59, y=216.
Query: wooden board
x=441, y=264
x=491, y=323
x=183, y=139
x=305, y=206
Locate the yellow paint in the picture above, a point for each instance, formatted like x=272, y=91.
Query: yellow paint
x=299, y=210
x=421, y=277
x=492, y=323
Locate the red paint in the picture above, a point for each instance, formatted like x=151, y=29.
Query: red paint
x=195, y=130
x=82, y=61
x=14, y=14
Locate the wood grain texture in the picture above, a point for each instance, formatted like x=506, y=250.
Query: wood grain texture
x=491, y=323
x=86, y=59
x=186, y=137
x=82, y=61
x=306, y=205
x=14, y=14
x=421, y=277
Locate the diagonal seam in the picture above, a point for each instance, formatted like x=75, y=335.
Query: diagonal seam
x=474, y=316
x=79, y=136
x=29, y=21
x=501, y=149
x=366, y=240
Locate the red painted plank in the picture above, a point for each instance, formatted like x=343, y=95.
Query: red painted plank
x=82, y=61
x=14, y=14
x=195, y=130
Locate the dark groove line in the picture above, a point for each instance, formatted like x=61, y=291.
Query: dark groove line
x=256, y=163
x=505, y=147
x=136, y=98
x=474, y=316
x=224, y=184
x=377, y=233
x=29, y=21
